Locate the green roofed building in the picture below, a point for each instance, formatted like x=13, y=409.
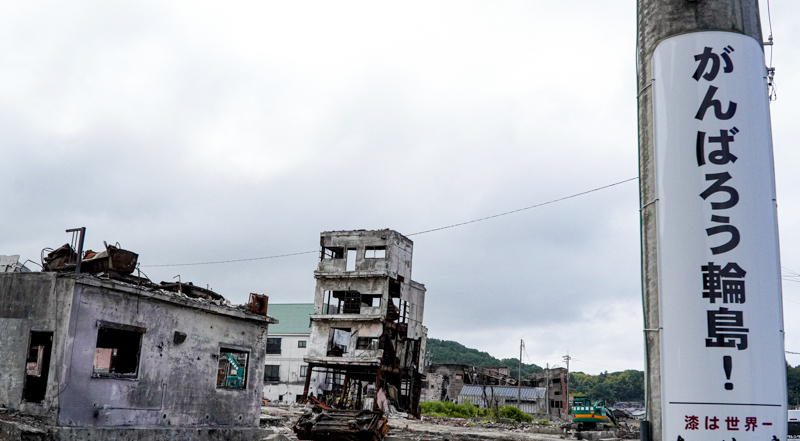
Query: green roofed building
x=285, y=371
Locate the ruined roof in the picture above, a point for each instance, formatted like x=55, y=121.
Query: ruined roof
x=293, y=318
x=526, y=393
x=384, y=231
x=154, y=292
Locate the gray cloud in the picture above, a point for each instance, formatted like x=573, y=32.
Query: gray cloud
x=192, y=133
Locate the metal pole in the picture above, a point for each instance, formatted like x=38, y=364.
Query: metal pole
x=547, y=390
x=82, y=232
x=658, y=20
x=519, y=377
x=567, y=358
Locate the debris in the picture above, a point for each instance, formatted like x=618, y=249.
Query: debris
x=113, y=258
x=344, y=425
x=190, y=290
x=10, y=264
x=60, y=259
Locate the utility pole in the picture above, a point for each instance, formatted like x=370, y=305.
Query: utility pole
x=547, y=391
x=567, y=358
x=519, y=376
x=700, y=69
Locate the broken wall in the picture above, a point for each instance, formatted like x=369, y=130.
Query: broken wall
x=398, y=252
x=320, y=332
x=176, y=383
x=32, y=302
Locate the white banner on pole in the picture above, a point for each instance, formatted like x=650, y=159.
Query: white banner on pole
x=722, y=362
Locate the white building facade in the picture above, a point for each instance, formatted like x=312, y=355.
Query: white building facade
x=285, y=371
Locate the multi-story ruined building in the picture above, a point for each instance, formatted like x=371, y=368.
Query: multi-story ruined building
x=367, y=335
x=555, y=381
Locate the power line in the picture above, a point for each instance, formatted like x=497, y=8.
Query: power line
x=526, y=208
x=234, y=260
x=412, y=234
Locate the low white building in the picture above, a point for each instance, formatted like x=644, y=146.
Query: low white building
x=285, y=371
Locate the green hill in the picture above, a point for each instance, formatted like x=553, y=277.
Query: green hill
x=446, y=351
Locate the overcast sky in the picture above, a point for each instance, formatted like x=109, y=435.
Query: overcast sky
x=195, y=132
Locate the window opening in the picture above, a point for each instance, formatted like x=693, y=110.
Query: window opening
x=338, y=340
x=273, y=345
x=232, y=369
x=272, y=373
x=37, y=366
x=303, y=371
x=378, y=252
x=352, y=302
x=332, y=252
x=351, y=260
x=368, y=343
x=371, y=300
x=301, y=344
x=117, y=352
x=394, y=288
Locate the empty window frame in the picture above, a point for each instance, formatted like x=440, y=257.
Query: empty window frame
x=342, y=302
x=338, y=340
x=273, y=345
x=303, y=371
x=37, y=366
x=351, y=302
x=301, y=343
x=378, y=252
x=351, y=260
x=232, y=368
x=371, y=300
x=272, y=373
x=368, y=343
x=332, y=253
x=117, y=351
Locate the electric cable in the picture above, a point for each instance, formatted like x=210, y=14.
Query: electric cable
x=412, y=234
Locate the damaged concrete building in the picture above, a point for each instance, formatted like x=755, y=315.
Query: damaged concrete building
x=444, y=381
x=367, y=336
x=555, y=381
x=107, y=355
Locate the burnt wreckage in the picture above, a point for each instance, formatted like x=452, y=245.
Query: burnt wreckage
x=366, y=335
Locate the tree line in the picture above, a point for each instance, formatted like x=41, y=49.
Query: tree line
x=611, y=387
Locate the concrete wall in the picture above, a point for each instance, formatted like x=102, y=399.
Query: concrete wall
x=318, y=345
x=435, y=387
x=364, y=285
x=176, y=383
x=399, y=252
x=38, y=302
x=455, y=374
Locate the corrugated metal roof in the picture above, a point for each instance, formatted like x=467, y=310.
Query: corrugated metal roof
x=526, y=393
x=292, y=317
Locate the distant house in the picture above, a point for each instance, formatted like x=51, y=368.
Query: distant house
x=531, y=399
x=444, y=381
x=555, y=381
x=285, y=371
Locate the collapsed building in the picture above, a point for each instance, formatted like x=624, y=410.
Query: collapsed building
x=367, y=336
x=554, y=380
x=89, y=351
x=444, y=381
